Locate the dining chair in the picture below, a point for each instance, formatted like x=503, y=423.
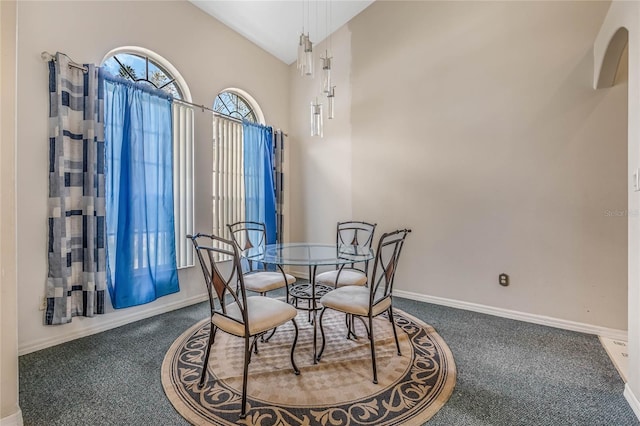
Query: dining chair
x=371, y=301
x=235, y=313
x=246, y=235
x=350, y=233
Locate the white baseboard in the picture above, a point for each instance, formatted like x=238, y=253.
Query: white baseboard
x=108, y=324
x=516, y=315
x=632, y=400
x=13, y=420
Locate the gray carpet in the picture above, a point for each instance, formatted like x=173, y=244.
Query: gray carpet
x=509, y=373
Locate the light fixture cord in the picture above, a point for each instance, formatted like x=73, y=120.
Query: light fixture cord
x=308, y=16
x=330, y=27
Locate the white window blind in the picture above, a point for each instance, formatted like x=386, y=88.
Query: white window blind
x=228, y=175
x=183, y=181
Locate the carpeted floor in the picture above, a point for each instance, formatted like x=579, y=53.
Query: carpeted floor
x=508, y=373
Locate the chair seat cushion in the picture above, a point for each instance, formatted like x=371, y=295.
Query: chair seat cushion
x=347, y=277
x=264, y=314
x=263, y=281
x=353, y=300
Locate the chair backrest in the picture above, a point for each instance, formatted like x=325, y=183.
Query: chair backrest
x=248, y=235
x=223, y=283
x=386, y=264
x=355, y=233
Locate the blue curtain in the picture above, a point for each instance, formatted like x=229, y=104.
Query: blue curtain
x=139, y=193
x=260, y=198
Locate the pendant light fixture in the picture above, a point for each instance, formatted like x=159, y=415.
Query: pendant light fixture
x=304, y=63
x=306, y=67
x=301, y=46
x=327, y=84
x=316, y=118
x=326, y=72
x=305, y=55
x=331, y=95
x=308, y=57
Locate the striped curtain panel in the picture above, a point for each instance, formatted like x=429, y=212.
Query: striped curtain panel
x=76, y=280
x=278, y=181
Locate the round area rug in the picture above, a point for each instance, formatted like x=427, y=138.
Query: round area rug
x=338, y=390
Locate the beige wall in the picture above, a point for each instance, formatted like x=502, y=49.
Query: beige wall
x=9, y=409
x=476, y=125
x=209, y=56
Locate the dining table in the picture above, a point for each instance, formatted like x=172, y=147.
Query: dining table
x=312, y=256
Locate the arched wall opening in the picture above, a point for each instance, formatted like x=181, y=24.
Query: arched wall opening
x=614, y=67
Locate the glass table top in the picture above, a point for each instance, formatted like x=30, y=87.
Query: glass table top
x=308, y=254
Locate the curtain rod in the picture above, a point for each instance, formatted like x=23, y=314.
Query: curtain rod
x=46, y=56
x=216, y=113
x=203, y=108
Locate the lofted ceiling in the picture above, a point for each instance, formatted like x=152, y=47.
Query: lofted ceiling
x=275, y=25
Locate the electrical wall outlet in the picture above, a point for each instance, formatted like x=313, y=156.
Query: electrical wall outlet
x=43, y=304
x=503, y=280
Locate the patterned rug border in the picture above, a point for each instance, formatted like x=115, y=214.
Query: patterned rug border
x=195, y=414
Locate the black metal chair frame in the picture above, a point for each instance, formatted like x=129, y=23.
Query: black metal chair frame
x=244, y=227
x=366, y=231
x=393, y=241
x=218, y=287
x=358, y=228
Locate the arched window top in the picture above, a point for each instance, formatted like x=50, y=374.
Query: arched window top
x=233, y=105
x=238, y=104
x=142, y=65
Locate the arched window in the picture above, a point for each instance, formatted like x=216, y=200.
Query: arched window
x=142, y=65
x=231, y=104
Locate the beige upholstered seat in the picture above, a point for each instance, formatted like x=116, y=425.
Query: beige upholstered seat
x=354, y=300
x=350, y=233
x=264, y=314
x=371, y=301
x=264, y=281
x=347, y=277
x=246, y=235
x=231, y=310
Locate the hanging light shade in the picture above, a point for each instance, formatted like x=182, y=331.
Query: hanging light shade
x=316, y=118
x=301, y=55
x=326, y=73
x=308, y=55
x=330, y=102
